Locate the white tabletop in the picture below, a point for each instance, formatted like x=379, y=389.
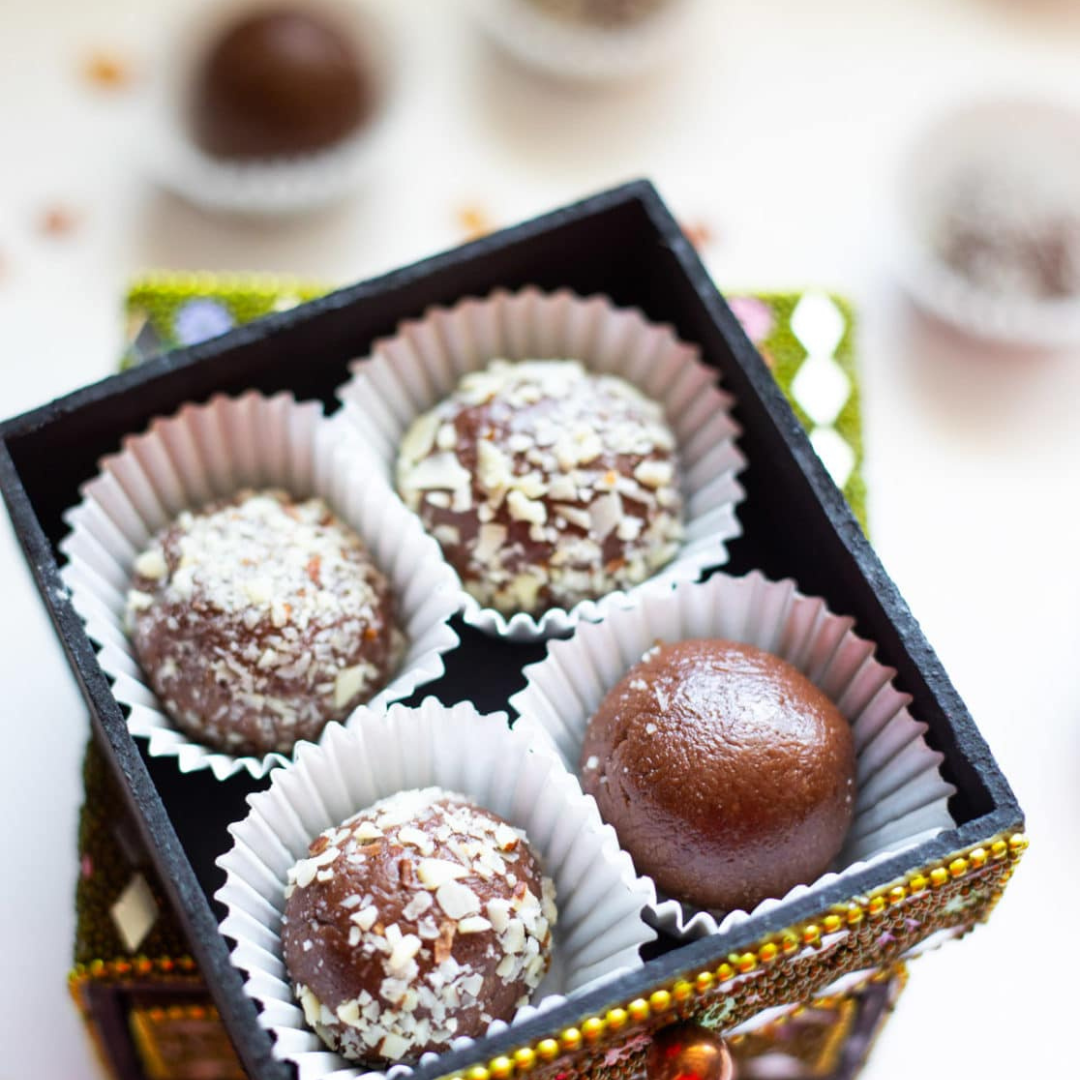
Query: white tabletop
x=780, y=130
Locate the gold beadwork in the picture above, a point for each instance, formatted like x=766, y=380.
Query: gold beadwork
x=616, y=1019
x=501, y=1067
x=788, y=943
x=547, y=1049
x=592, y=1029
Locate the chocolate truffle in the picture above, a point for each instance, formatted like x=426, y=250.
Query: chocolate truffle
x=728, y=776
x=545, y=484
x=419, y=920
x=1012, y=231
x=259, y=619
x=277, y=83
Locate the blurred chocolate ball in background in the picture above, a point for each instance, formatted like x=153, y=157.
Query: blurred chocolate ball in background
x=279, y=82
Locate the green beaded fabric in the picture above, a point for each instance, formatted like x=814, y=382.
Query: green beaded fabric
x=111, y=855
x=825, y=394
x=182, y=309
x=807, y=339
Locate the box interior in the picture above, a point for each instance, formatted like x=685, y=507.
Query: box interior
x=796, y=524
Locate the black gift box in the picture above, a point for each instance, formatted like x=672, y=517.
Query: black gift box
x=626, y=245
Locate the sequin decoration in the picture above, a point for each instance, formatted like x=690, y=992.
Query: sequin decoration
x=201, y=319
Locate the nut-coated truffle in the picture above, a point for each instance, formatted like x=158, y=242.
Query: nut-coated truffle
x=258, y=619
x=419, y=920
x=728, y=776
x=545, y=484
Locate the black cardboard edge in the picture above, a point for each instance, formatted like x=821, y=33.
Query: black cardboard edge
x=185, y=894
x=208, y=944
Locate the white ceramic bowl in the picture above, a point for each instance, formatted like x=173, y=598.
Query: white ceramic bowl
x=1038, y=139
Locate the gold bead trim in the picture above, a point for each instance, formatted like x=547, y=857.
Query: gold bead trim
x=158, y=1014
x=593, y=1029
x=138, y=966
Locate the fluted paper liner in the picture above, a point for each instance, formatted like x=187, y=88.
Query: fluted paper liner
x=419, y=366
x=902, y=798
x=599, y=898
x=212, y=451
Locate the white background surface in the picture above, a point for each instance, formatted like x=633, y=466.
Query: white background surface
x=780, y=129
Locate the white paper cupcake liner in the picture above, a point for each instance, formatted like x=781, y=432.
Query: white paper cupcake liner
x=272, y=187
x=599, y=898
x=902, y=798
x=409, y=373
x=584, y=53
x=212, y=451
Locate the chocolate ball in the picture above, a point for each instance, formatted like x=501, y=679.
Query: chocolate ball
x=259, y=619
x=545, y=484
x=419, y=920
x=278, y=83
x=728, y=776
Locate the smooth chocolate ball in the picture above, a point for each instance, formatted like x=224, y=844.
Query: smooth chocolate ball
x=419, y=920
x=545, y=484
x=259, y=619
x=728, y=776
x=278, y=83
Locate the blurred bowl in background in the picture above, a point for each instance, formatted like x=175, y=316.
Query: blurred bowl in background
x=989, y=222
x=273, y=59
x=589, y=41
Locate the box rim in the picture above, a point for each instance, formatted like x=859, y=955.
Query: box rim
x=224, y=981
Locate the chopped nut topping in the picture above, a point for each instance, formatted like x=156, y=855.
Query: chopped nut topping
x=421, y=992
x=257, y=614
x=434, y=873
x=573, y=491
